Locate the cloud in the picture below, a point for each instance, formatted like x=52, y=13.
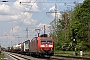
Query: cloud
x=14, y=12
x=8, y=17
x=52, y=9
x=27, y=18
x=7, y=36
x=10, y=37
x=41, y=27
x=27, y=22
x=4, y=9
x=7, y=13
x=31, y=6
x=14, y=30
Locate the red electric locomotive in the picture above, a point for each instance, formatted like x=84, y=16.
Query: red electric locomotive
x=42, y=45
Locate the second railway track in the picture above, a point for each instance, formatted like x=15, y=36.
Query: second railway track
x=18, y=57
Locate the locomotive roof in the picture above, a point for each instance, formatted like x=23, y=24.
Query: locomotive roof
x=44, y=35
x=46, y=38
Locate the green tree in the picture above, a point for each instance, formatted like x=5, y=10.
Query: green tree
x=81, y=23
x=79, y=20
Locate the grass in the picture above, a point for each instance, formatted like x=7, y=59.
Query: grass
x=86, y=54
x=64, y=53
x=1, y=56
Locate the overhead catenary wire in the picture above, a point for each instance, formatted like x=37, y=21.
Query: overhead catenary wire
x=49, y=2
x=39, y=2
x=32, y=6
x=28, y=11
x=23, y=19
x=26, y=14
x=42, y=18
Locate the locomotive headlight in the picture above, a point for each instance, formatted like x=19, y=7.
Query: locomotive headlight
x=42, y=45
x=50, y=45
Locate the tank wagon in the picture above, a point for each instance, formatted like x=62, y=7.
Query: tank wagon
x=16, y=48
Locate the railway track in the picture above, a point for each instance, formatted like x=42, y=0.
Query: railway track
x=18, y=57
x=25, y=57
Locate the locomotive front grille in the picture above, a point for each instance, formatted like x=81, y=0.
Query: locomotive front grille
x=47, y=52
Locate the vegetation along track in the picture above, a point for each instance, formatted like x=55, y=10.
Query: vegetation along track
x=69, y=58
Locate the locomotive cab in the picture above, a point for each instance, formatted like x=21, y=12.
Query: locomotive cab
x=46, y=46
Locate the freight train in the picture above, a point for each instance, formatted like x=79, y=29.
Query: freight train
x=38, y=46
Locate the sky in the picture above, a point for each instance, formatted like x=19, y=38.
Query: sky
x=15, y=17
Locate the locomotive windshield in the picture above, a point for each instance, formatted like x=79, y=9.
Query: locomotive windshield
x=46, y=41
